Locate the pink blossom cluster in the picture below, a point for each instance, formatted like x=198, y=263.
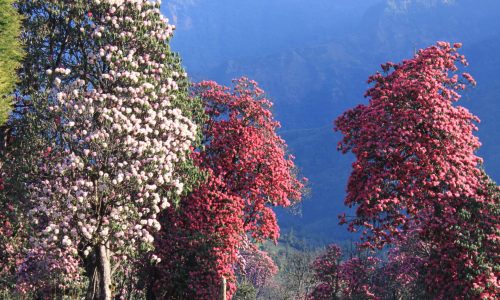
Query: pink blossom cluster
x=255, y=265
x=248, y=172
x=351, y=279
x=116, y=139
x=416, y=167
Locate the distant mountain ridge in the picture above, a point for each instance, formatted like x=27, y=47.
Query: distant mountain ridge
x=405, y=5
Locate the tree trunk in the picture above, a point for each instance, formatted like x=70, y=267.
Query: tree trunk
x=150, y=294
x=100, y=281
x=104, y=268
x=223, y=291
x=93, y=289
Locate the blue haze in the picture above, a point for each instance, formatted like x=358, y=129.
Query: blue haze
x=313, y=57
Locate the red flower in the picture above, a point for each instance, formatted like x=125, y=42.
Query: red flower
x=416, y=165
x=249, y=172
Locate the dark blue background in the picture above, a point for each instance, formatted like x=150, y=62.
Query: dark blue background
x=313, y=57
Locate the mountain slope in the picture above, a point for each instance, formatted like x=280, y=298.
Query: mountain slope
x=313, y=59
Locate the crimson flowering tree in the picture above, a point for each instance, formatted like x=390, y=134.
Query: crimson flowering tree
x=104, y=136
x=9, y=251
x=242, y=146
x=465, y=258
x=327, y=274
x=416, y=168
x=248, y=172
x=358, y=277
x=400, y=275
x=13, y=225
x=201, y=244
x=354, y=278
x=402, y=271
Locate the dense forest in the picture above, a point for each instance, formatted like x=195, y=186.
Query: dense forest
x=124, y=177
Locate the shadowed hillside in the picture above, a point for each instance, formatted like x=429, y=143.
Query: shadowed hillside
x=313, y=58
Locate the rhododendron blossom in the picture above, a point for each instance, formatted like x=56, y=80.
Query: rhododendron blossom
x=255, y=265
x=358, y=274
x=416, y=168
x=351, y=279
x=327, y=274
x=114, y=119
x=248, y=172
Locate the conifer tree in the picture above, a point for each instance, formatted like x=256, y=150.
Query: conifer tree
x=11, y=53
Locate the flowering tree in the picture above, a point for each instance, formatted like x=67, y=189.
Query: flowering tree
x=198, y=244
x=242, y=145
x=358, y=277
x=327, y=274
x=8, y=244
x=463, y=262
x=400, y=275
x=107, y=110
x=416, y=168
x=248, y=171
x=255, y=265
x=354, y=278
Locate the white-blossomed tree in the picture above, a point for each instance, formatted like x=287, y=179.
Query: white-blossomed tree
x=102, y=135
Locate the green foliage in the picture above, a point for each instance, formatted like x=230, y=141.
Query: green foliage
x=11, y=54
x=245, y=291
x=51, y=33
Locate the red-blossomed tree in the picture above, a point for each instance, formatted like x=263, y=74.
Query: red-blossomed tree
x=248, y=172
x=201, y=245
x=400, y=275
x=355, y=278
x=416, y=168
x=9, y=252
x=359, y=277
x=327, y=274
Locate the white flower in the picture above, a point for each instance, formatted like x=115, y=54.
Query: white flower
x=148, y=136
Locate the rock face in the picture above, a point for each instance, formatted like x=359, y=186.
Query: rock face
x=313, y=58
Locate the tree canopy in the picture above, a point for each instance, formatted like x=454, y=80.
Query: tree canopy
x=11, y=53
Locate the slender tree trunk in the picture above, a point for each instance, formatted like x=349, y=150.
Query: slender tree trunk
x=104, y=268
x=93, y=287
x=100, y=281
x=150, y=295
x=223, y=291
